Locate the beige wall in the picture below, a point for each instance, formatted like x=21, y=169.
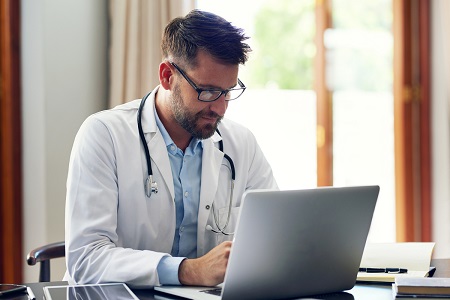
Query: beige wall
x=64, y=79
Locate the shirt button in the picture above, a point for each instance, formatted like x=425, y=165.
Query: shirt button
x=181, y=229
x=207, y=207
x=186, y=194
x=172, y=148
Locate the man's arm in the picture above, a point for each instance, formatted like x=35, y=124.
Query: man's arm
x=208, y=270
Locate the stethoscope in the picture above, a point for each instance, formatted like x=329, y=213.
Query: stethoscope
x=151, y=186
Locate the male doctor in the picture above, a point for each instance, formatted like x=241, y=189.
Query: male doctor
x=119, y=229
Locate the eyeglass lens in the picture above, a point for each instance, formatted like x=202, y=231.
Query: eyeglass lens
x=213, y=95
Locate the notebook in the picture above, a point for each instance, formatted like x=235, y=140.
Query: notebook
x=294, y=243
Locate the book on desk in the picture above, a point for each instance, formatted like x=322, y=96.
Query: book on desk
x=421, y=288
x=395, y=260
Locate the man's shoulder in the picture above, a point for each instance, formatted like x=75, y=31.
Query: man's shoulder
x=122, y=111
x=120, y=117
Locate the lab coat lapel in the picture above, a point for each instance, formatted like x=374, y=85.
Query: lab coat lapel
x=211, y=162
x=156, y=144
x=160, y=160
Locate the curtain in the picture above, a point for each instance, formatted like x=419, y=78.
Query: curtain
x=134, y=55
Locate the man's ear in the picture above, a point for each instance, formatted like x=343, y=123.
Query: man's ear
x=165, y=75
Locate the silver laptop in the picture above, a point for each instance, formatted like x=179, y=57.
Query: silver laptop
x=294, y=243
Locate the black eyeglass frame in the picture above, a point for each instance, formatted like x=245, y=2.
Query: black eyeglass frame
x=199, y=90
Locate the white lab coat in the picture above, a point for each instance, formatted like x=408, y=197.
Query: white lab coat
x=114, y=233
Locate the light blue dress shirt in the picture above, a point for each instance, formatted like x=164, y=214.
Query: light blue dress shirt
x=186, y=173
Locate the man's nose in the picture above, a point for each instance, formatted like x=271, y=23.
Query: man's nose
x=220, y=106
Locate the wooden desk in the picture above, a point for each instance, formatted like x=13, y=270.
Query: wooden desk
x=359, y=292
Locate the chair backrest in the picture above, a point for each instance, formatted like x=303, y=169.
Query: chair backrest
x=43, y=255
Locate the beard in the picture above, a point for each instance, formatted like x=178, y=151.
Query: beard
x=189, y=120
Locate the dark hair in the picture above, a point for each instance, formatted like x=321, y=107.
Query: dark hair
x=200, y=30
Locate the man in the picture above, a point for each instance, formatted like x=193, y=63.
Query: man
x=119, y=229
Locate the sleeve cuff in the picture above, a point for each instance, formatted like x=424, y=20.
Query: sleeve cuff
x=168, y=270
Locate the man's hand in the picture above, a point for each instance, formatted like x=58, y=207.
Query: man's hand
x=208, y=270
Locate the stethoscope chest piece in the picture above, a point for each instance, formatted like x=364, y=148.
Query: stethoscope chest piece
x=150, y=186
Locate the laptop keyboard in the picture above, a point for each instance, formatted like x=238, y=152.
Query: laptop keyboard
x=217, y=291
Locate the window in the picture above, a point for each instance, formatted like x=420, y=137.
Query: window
x=280, y=104
x=360, y=77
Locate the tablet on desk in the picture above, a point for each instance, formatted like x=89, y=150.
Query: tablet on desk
x=7, y=289
x=119, y=291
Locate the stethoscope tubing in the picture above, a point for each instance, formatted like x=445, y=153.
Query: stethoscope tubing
x=150, y=185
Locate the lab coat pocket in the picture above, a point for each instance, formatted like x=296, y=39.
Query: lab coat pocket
x=213, y=236
x=226, y=221
x=227, y=218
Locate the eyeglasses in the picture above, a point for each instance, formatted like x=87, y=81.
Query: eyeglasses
x=210, y=95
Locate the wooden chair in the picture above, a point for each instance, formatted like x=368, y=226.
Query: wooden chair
x=43, y=255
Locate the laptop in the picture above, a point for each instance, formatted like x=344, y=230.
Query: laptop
x=294, y=243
